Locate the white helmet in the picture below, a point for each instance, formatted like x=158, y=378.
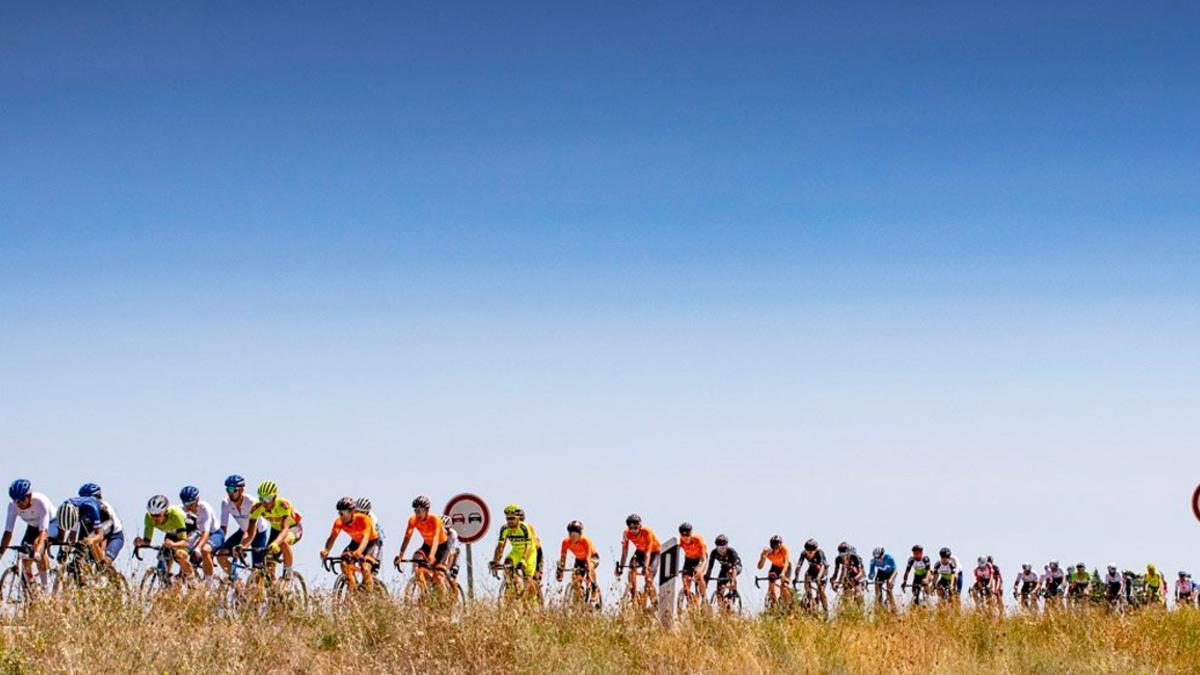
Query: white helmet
x=157, y=505
x=362, y=505
x=68, y=518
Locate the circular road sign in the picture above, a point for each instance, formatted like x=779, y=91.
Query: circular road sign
x=469, y=517
x=1196, y=502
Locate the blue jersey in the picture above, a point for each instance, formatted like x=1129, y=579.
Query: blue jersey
x=90, y=516
x=886, y=566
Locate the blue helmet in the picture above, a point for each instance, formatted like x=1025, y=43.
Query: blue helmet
x=89, y=490
x=189, y=494
x=19, y=489
x=235, y=481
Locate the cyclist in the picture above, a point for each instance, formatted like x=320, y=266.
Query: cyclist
x=34, y=508
x=451, y=546
x=433, y=534
x=581, y=547
x=1078, y=582
x=781, y=569
x=815, y=574
x=172, y=522
x=848, y=572
x=645, y=553
x=997, y=582
x=361, y=530
x=947, y=570
x=1026, y=585
x=883, y=573
x=522, y=555
x=694, y=553
x=1185, y=589
x=729, y=560
x=286, y=527
x=1114, y=585
x=80, y=521
x=374, y=552
x=1156, y=585
x=919, y=565
x=112, y=533
x=203, y=537
x=983, y=578
x=238, y=506
x=1052, y=582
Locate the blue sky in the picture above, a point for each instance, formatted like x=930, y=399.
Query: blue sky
x=874, y=273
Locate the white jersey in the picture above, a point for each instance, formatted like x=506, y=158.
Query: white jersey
x=37, y=516
x=113, y=524
x=240, y=514
x=451, y=539
x=1184, y=586
x=1029, y=577
x=1113, y=578
x=946, y=568
x=206, y=518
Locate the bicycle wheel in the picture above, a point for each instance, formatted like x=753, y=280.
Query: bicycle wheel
x=340, y=594
x=15, y=588
x=291, y=593
x=152, y=583
x=414, y=591
x=594, y=599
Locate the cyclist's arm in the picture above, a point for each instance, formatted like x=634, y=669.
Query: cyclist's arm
x=333, y=533
x=224, y=516
x=284, y=528
x=624, y=550
x=499, y=552
x=4, y=541
x=762, y=558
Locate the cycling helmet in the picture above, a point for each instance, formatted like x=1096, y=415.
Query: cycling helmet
x=157, y=505
x=981, y=561
x=1054, y=563
x=1150, y=568
x=512, y=510
x=843, y=547
x=363, y=505
x=190, y=494
x=633, y=519
x=446, y=522
x=521, y=514
x=1080, y=566
x=878, y=552
x=1112, y=567
x=685, y=529
x=89, y=490
x=1027, y=566
x=19, y=489
x=722, y=540
x=989, y=558
x=235, y=481
x=945, y=552
x=574, y=526
x=776, y=540
x=423, y=502
x=68, y=517
x=1182, y=574
x=345, y=504
x=810, y=545
x=917, y=548
x=268, y=490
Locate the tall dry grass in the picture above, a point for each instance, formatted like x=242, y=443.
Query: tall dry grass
x=186, y=636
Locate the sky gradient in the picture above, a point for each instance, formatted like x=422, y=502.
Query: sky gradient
x=869, y=273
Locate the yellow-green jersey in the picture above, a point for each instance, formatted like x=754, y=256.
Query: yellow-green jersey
x=522, y=539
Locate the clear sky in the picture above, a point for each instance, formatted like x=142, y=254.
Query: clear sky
x=867, y=272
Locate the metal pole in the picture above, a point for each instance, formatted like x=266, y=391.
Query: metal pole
x=470, y=575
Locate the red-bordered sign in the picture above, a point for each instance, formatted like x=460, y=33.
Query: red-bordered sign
x=1196, y=502
x=469, y=517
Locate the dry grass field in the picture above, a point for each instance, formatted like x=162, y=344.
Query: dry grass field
x=186, y=636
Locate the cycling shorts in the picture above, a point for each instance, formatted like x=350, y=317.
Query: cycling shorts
x=775, y=572
x=526, y=564
x=112, y=547
x=882, y=577
x=690, y=565
x=295, y=534
x=374, y=548
x=726, y=575
x=439, y=556
x=638, y=561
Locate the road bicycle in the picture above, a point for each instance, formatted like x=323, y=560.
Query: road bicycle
x=424, y=589
x=17, y=589
x=642, y=599
x=690, y=598
x=267, y=590
x=341, y=593
x=79, y=570
x=920, y=591
x=579, y=592
x=725, y=596
x=164, y=574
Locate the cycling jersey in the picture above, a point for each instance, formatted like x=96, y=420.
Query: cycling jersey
x=582, y=549
x=884, y=566
x=644, y=540
x=432, y=529
x=205, y=518
x=983, y=574
x=919, y=566
x=1184, y=587
x=1154, y=582
x=360, y=526
x=692, y=546
x=1027, y=578
x=276, y=514
x=175, y=521
x=240, y=512
x=850, y=561
x=37, y=516
x=521, y=538
x=90, y=516
x=1080, y=577
x=730, y=561
x=778, y=556
x=1114, y=578
x=946, y=569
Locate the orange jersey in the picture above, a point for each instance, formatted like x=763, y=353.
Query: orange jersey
x=582, y=549
x=644, y=541
x=432, y=530
x=779, y=557
x=360, y=526
x=693, y=546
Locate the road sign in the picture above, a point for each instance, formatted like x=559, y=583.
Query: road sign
x=668, y=572
x=1196, y=502
x=469, y=517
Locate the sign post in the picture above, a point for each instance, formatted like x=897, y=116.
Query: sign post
x=469, y=517
x=668, y=572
